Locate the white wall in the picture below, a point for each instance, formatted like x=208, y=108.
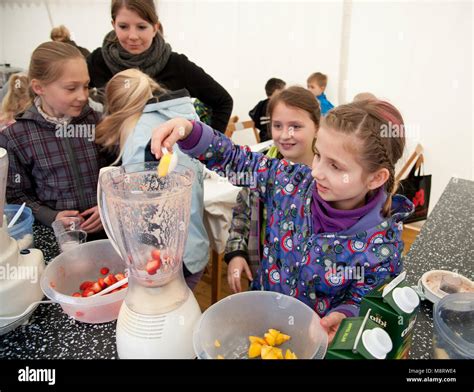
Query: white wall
x=417, y=54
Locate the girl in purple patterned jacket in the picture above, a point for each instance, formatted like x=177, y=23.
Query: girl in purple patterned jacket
x=334, y=230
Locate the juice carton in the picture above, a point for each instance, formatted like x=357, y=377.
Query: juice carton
x=359, y=338
x=394, y=307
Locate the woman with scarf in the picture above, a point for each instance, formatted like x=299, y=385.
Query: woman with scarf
x=136, y=42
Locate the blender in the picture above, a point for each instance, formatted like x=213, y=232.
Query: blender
x=146, y=218
x=20, y=272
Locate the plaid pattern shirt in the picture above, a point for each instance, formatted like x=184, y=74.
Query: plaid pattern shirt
x=248, y=215
x=51, y=168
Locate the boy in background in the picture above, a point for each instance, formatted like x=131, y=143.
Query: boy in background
x=259, y=113
x=317, y=83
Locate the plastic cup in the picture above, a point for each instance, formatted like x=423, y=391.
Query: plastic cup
x=68, y=233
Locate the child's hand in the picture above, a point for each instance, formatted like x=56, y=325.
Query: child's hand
x=234, y=273
x=168, y=134
x=93, y=224
x=67, y=214
x=331, y=323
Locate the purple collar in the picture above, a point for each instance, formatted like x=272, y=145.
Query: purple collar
x=327, y=219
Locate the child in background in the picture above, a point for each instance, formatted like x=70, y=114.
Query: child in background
x=317, y=83
x=293, y=107
x=54, y=162
x=334, y=230
x=135, y=105
x=259, y=113
x=62, y=34
x=16, y=101
x=364, y=97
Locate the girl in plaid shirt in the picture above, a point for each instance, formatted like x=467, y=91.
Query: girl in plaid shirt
x=54, y=161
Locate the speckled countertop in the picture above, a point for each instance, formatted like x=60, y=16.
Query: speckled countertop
x=50, y=333
x=445, y=242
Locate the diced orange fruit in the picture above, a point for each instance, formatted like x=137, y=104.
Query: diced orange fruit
x=266, y=347
x=257, y=339
x=217, y=343
x=290, y=355
x=269, y=352
x=281, y=338
x=220, y=357
x=255, y=350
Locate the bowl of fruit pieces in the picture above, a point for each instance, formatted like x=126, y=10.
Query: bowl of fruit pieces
x=259, y=325
x=74, y=277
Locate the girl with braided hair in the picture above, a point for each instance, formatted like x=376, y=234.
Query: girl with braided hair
x=334, y=229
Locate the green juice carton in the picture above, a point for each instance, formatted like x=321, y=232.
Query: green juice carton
x=393, y=306
x=360, y=338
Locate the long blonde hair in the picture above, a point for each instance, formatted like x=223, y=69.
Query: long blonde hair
x=126, y=95
x=17, y=99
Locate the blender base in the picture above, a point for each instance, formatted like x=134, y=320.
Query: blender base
x=163, y=336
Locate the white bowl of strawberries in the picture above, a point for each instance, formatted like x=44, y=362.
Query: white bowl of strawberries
x=73, y=277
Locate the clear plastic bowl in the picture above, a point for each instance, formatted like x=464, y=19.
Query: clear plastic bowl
x=63, y=276
x=22, y=230
x=232, y=320
x=453, y=318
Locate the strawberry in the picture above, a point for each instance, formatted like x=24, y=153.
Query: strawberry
x=119, y=276
x=104, y=271
x=124, y=286
x=96, y=287
x=102, y=283
x=76, y=294
x=155, y=254
x=88, y=293
x=85, y=285
x=152, y=266
x=110, y=280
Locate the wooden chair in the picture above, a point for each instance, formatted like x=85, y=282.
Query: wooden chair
x=411, y=230
x=243, y=133
x=413, y=159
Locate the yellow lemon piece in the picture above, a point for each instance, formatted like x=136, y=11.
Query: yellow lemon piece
x=257, y=339
x=217, y=343
x=164, y=165
x=168, y=162
x=220, y=357
x=255, y=350
x=290, y=355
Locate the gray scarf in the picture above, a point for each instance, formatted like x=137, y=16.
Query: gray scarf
x=151, y=61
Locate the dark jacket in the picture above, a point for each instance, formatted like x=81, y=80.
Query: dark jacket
x=178, y=73
x=85, y=52
x=261, y=119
